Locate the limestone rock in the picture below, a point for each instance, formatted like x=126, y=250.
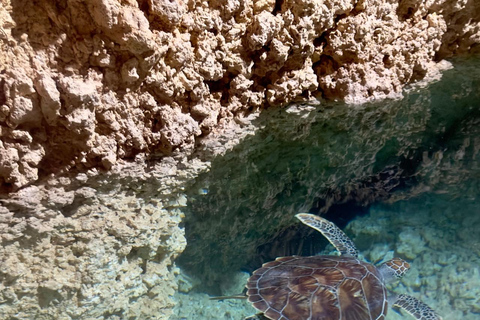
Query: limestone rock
x=49, y=98
x=76, y=75
x=69, y=250
x=168, y=13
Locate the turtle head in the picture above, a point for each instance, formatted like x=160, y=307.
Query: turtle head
x=393, y=269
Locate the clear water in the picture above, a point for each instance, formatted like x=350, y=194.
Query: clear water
x=402, y=178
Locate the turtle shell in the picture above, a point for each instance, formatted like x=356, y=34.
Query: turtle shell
x=318, y=287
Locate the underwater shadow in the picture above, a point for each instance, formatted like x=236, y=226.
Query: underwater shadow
x=331, y=159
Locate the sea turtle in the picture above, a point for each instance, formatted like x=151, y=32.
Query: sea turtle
x=328, y=287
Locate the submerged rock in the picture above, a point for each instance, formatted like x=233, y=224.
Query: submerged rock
x=426, y=231
x=105, y=251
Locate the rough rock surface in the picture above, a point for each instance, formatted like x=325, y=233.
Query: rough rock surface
x=94, y=246
x=85, y=83
x=88, y=84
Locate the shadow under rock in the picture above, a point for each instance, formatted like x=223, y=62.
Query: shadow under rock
x=318, y=159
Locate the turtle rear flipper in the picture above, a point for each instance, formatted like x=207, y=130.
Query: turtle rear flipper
x=416, y=308
x=330, y=231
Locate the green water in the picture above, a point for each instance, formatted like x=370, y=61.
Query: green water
x=402, y=178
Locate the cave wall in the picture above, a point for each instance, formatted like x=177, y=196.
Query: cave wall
x=86, y=83
x=101, y=102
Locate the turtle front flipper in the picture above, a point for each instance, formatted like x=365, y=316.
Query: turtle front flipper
x=330, y=231
x=416, y=308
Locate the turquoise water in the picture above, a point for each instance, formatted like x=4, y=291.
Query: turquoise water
x=400, y=177
x=440, y=237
